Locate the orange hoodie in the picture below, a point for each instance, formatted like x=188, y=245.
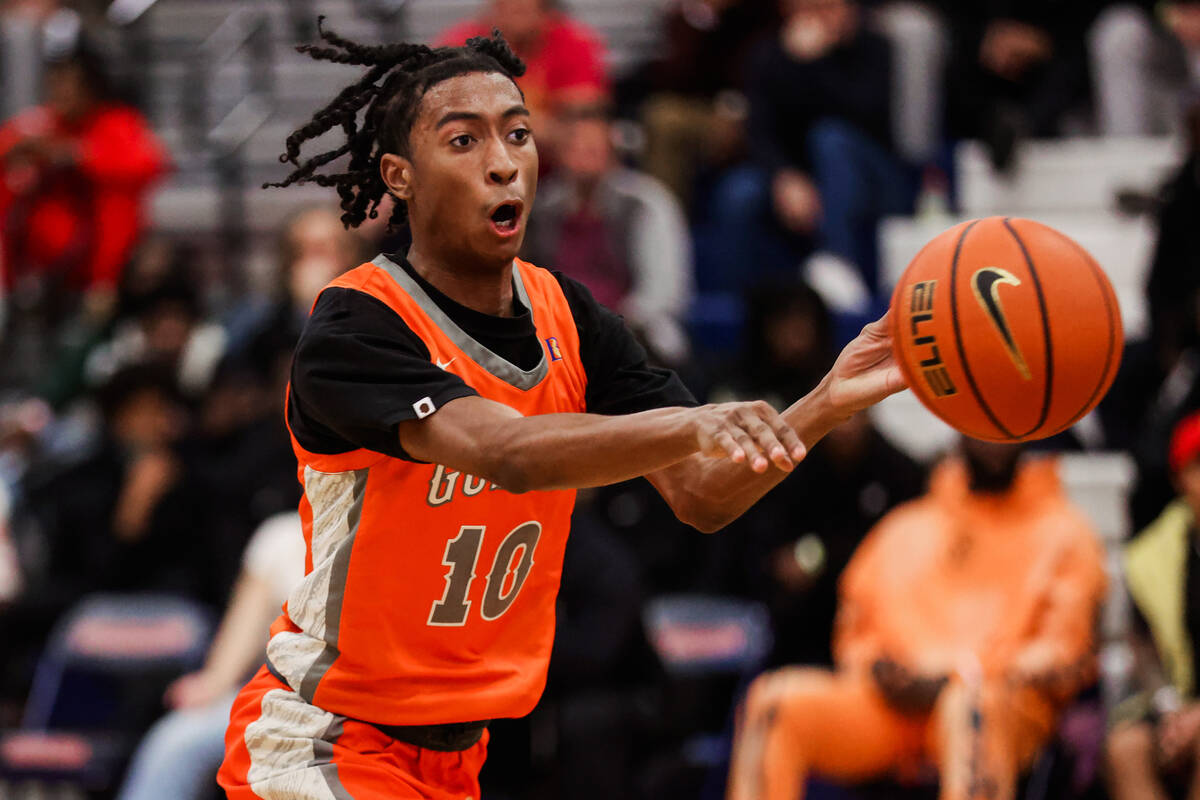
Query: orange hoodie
x=955, y=580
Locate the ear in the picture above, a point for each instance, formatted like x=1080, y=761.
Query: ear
x=396, y=171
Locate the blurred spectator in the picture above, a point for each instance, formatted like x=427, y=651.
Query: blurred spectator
x=1159, y=379
x=74, y=175
x=313, y=249
x=823, y=171
x=127, y=517
x=1018, y=66
x=179, y=757
x=789, y=347
x=966, y=624
x=243, y=452
x=619, y=232
x=10, y=575
x=831, y=501
x=1144, y=55
x=1157, y=737
x=833, y=497
x=164, y=324
x=1174, y=281
x=694, y=110
x=564, y=60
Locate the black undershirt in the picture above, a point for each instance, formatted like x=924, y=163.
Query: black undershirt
x=359, y=369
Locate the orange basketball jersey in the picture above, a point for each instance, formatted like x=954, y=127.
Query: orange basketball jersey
x=429, y=594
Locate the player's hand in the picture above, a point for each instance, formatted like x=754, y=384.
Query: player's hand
x=865, y=372
x=747, y=433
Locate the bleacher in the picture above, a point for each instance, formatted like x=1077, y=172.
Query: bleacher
x=206, y=59
x=176, y=32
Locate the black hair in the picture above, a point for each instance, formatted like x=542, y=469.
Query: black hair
x=390, y=91
x=93, y=67
x=769, y=303
x=114, y=394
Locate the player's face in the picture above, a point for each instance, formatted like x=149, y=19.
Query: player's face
x=472, y=176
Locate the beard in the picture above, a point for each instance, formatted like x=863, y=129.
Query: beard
x=990, y=477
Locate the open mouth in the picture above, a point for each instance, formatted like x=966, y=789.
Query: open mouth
x=505, y=217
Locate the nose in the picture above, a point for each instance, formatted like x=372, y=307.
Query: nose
x=501, y=167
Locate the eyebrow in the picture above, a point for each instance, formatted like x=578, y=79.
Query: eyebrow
x=454, y=116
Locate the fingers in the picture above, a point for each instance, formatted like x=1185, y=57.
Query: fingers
x=772, y=436
x=726, y=442
x=767, y=442
x=788, y=437
x=756, y=435
x=753, y=456
x=880, y=328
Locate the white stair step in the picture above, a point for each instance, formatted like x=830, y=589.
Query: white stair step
x=1071, y=174
x=1123, y=247
x=178, y=209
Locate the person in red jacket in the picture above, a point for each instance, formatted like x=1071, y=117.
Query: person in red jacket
x=74, y=175
x=564, y=60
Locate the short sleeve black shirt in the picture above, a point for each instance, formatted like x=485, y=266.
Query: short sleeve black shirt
x=359, y=369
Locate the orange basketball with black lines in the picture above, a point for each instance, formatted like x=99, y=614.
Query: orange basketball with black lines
x=1006, y=329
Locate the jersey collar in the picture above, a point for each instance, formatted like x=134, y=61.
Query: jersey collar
x=496, y=365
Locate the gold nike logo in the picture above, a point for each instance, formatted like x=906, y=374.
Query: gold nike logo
x=986, y=284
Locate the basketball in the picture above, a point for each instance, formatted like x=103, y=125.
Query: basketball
x=1006, y=329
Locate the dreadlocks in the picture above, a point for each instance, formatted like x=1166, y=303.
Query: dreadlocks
x=390, y=91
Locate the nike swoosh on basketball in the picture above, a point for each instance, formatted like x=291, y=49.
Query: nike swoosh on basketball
x=986, y=284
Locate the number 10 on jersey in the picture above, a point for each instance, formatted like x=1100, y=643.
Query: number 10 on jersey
x=515, y=555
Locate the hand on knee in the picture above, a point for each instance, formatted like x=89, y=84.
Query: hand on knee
x=1129, y=744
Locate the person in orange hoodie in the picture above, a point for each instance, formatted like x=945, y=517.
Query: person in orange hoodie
x=965, y=624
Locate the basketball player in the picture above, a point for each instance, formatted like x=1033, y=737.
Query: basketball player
x=444, y=406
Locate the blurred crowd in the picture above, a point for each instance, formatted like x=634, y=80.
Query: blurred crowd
x=874, y=619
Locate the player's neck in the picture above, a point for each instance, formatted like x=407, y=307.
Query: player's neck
x=488, y=291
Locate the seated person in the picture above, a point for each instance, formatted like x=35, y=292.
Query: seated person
x=966, y=623
x=1156, y=740
x=1017, y=68
x=618, y=231
x=823, y=170
x=179, y=757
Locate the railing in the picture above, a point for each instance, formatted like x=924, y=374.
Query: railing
x=244, y=34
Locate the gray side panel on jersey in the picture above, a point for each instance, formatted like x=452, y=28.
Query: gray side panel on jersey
x=502, y=368
x=315, y=605
x=291, y=750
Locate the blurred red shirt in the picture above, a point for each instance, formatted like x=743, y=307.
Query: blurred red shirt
x=81, y=217
x=566, y=67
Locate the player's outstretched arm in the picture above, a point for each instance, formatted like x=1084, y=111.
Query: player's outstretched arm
x=708, y=494
x=568, y=451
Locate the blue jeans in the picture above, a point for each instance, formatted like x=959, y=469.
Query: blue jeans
x=860, y=182
x=741, y=244
x=179, y=756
